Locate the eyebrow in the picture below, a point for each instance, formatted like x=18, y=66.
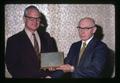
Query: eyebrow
x=86, y=27
x=31, y=17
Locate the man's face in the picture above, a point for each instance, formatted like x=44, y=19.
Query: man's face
x=32, y=19
x=86, y=29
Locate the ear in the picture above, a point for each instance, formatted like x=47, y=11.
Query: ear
x=94, y=29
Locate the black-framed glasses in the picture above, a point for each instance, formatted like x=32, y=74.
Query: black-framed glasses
x=85, y=28
x=33, y=18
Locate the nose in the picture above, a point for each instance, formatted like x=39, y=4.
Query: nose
x=33, y=19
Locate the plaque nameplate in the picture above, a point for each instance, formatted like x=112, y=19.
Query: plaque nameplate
x=52, y=59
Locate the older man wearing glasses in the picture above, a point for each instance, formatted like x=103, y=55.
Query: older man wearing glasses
x=23, y=49
x=86, y=58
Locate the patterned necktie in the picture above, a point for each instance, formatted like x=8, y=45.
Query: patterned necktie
x=82, y=51
x=36, y=46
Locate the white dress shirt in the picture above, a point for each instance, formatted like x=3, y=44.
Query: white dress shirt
x=86, y=41
x=30, y=36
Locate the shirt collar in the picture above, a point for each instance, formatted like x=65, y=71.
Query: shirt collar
x=88, y=40
x=29, y=33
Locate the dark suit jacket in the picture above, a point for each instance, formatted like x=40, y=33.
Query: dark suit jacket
x=92, y=62
x=21, y=59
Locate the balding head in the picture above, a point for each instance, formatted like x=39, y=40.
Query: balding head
x=87, y=22
x=31, y=8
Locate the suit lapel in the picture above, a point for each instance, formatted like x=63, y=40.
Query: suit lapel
x=90, y=47
x=27, y=42
x=77, y=50
x=43, y=42
x=87, y=53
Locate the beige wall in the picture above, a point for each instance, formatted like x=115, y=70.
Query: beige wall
x=62, y=21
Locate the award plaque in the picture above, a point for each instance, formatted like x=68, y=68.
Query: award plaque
x=52, y=59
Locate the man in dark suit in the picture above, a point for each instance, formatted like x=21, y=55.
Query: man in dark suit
x=88, y=62
x=23, y=49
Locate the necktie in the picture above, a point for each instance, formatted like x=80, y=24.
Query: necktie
x=82, y=51
x=36, y=46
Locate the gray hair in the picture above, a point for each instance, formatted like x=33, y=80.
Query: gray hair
x=30, y=7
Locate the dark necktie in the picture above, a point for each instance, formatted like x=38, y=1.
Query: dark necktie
x=36, y=46
x=82, y=51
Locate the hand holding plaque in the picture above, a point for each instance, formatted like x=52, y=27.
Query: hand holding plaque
x=51, y=59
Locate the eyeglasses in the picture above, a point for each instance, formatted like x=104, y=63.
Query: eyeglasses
x=33, y=18
x=85, y=28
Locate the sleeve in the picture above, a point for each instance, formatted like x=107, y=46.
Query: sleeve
x=11, y=57
x=58, y=73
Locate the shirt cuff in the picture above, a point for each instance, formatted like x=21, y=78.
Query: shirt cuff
x=72, y=68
